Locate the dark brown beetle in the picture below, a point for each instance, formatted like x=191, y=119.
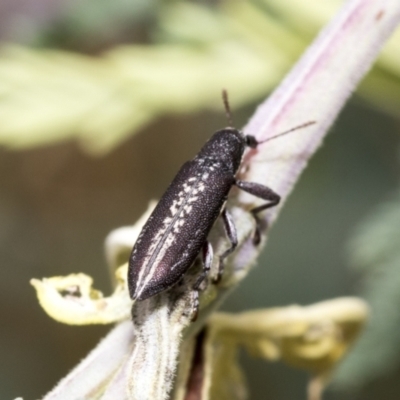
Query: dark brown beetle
x=177, y=229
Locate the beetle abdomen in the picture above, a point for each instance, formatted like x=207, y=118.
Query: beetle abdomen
x=178, y=227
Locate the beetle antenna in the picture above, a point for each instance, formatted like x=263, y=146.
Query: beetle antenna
x=289, y=131
x=227, y=108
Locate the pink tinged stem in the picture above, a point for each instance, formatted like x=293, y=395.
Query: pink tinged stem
x=317, y=88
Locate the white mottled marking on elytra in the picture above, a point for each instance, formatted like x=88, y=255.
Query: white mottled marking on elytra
x=187, y=209
x=173, y=209
x=180, y=221
x=147, y=275
x=176, y=204
x=167, y=220
x=170, y=228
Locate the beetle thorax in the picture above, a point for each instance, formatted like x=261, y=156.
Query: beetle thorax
x=226, y=146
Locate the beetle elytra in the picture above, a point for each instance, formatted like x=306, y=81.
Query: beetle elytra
x=177, y=230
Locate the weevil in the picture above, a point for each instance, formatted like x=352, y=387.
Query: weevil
x=177, y=230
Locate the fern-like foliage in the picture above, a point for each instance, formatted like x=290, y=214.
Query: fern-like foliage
x=52, y=95
x=375, y=252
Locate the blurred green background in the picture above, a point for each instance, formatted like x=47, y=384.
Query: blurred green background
x=78, y=79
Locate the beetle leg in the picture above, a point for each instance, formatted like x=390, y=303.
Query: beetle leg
x=207, y=262
x=230, y=230
x=264, y=193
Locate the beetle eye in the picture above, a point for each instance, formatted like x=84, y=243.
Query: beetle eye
x=251, y=141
